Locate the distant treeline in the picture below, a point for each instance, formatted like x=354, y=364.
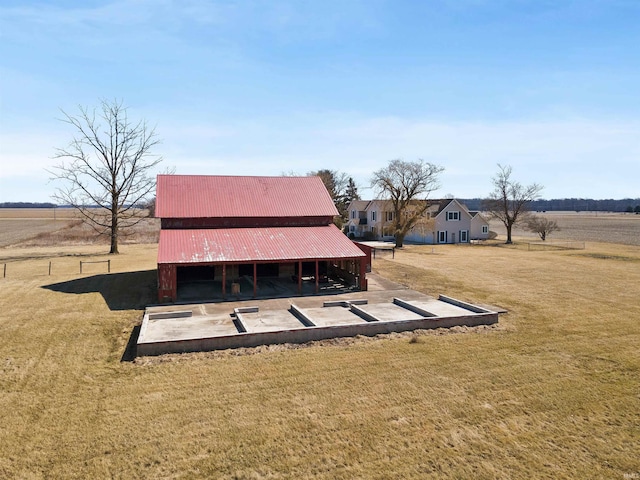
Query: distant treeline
x=570, y=205
x=27, y=205
x=44, y=205
x=563, y=205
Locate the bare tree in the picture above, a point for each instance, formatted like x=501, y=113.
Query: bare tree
x=540, y=225
x=406, y=185
x=510, y=199
x=151, y=207
x=336, y=184
x=106, y=169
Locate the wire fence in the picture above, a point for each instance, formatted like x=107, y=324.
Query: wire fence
x=108, y=262
x=26, y=268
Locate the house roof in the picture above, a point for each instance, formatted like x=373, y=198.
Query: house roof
x=438, y=205
x=233, y=245
x=359, y=204
x=209, y=196
x=479, y=215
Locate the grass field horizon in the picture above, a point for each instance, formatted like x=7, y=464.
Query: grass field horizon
x=553, y=392
x=48, y=226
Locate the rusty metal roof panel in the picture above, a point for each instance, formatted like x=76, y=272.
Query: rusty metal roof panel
x=233, y=245
x=209, y=196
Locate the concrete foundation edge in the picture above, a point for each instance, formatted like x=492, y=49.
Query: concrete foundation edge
x=312, y=333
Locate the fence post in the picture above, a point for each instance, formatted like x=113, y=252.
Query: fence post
x=49, y=267
x=5, y=271
x=80, y=266
x=109, y=266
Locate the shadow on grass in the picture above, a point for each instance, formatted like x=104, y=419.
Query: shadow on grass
x=121, y=291
x=131, y=351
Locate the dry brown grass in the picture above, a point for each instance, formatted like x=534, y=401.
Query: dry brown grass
x=553, y=393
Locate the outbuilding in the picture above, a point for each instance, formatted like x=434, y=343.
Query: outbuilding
x=225, y=229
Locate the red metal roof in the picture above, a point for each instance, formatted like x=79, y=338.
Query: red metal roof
x=201, y=196
x=232, y=245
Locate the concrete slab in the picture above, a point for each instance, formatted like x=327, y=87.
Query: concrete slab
x=269, y=321
x=186, y=328
x=330, y=316
x=390, y=312
x=440, y=309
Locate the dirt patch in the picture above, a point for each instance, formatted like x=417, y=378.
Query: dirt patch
x=45, y=233
x=620, y=228
x=45, y=227
x=15, y=231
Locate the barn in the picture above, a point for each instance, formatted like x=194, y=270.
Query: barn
x=239, y=232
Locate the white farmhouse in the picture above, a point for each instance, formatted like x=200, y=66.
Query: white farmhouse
x=444, y=221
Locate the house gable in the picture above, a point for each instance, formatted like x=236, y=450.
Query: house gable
x=453, y=210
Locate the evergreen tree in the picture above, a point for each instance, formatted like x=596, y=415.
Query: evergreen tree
x=351, y=192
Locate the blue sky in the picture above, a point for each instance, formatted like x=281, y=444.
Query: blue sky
x=550, y=87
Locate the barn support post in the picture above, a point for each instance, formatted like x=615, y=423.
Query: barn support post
x=174, y=283
x=363, y=274
x=317, y=277
x=299, y=277
x=255, y=279
x=224, y=281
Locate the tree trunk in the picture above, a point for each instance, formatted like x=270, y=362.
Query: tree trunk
x=114, y=244
x=399, y=240
x=114, y=230
x=509, y=234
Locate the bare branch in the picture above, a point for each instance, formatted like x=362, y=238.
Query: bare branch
x=542, y=226
x=406, y=185
x=509, y=200
x=106, y=170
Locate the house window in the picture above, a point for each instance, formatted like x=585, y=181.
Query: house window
x=442, y=236
x=352, y=228
x=373, y=216
x=389, y=216
x=485, y=229
x=464, y=236
x=353, y=214
x=453, y=216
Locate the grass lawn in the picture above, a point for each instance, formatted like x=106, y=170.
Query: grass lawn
x=553, y=393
